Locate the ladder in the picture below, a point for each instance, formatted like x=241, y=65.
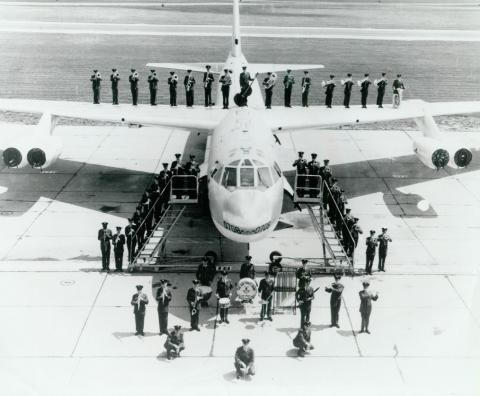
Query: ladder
x=154, y=245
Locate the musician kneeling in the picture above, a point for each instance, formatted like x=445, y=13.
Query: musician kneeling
x=244, y=359
x=302, y=339
x=174, y=343
x=224, y=293
x=266, y=293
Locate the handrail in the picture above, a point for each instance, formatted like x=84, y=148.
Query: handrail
x=322, y=233
x=343, y=220
x=306, y=188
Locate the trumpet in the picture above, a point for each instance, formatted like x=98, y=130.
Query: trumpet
x=208, y=80
x=198, y=296
x=175, y=77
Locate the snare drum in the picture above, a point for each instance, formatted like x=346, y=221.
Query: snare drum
x=246, y=289
x=205, y=292
x=224, y=303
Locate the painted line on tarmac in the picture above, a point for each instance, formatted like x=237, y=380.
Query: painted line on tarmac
x=247, y=31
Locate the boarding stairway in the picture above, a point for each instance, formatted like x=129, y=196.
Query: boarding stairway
x=182, y=190
x=310, y=191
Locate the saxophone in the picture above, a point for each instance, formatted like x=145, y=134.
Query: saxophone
x=305, y=85
x=189, y=84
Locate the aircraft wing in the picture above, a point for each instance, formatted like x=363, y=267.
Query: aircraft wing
x=277, y=67
x=198, y=119
x=216, y=67
x=297, y=118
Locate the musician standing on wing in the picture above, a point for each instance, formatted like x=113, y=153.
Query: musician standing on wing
x=104, y=236
x=193, y=299
x=207, y=85
x=381, y=84
x=245, y=80
x=189, y=83
x=265, y=289
x=114, y=78
x=172, y=88
x=304, y=296
x=226, y=81
x=329, y=87
x=306, y=82
x=268, y=83
x=164, y=296
x=288, y=82
x=398, y=88
x=133, y=80
x=152, y=86
x=347, y=90
x=364, y=84
x=224, y=290
x=118, y=241
x=96, y=82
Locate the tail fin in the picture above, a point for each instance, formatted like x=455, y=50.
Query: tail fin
x=236, y=39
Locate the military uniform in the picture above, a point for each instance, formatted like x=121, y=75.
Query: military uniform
x=189, y=83
x=245, y=80
x=371, y=243
x=306, y=82
x=114, y=79
x=329, y=88
x=244, y=360
x=302, y=340
x=130, y=231
x=172, y=88
x=347, y=90
x=247, y=270
x=265, y=290
x=152, y=86
x=207, y=85
x=204, y=274
x=133, y=80
x=383, y=240
x=268, y=84
x=398, y=88
x=226, y=82
x=164, y=296
x=302, y=274
x=288, y=82
x=193, y=299
x=381, y=84
x=366, y=298
x=174, y=343
x=355, y=231
x=364, y=84
x=224, y=290
x=301, y=166
x=336, y=290
x=139, y=301
x=118, y=241
x=105, y=236
x=314, y=182
x=96, y=83
x=304, y=296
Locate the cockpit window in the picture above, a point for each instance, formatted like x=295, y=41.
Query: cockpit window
x=217, y=175
x=229, y=179
x=247, y=177
x=258, y=163
x=276, y=172
x=247, y=162
x=234, y=163
x=264, y=178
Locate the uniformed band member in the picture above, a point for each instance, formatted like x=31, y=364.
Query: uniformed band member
x=381, y=84
x=383, y=240
x=130, y=233
x=269, y=83
x=288, y=82
x=366, y=298
x=205, y=274
x=189, y=83
x=152, y=86
x=354, y=231
x=304, y=296
x=335, y=289
x=118, y=241
x=193, y=299
x=306, y=82
x=174, y=343
x=247, y=270
x=105, y=236
x=163, y=297
x=314, y=182
x=96, y=83
x=139, y=300
x=398, y=87
x=172, y=88
x=226, y=82
x=302, y=340
x=244, y=360
x=364, y=84
x=371, y=243
x=265, y=290
x=133, y=80
x=301, y=165
x=329, y=87
x=114, y=78
x=207, y=85
x=224, y=290
x=302, y=274
x=245, y=80
x=347, y=90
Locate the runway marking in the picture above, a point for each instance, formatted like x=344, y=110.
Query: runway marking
x=298, y=32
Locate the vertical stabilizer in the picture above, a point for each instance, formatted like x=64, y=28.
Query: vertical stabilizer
x=236, y=41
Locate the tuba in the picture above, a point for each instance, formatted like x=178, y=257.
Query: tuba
x=271, y=81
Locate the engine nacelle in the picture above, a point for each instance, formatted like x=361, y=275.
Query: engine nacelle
x=431, y=152
x=15, y=156
x=460, y=156
x=36, y=151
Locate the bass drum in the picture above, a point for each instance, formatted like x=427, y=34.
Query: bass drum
x=246, y=289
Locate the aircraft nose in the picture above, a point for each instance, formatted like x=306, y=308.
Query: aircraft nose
x=247, y=209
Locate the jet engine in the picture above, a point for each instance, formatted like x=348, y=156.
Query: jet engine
x=38, y=151
x=15, y=156
x=460, y=156
x=431, y=152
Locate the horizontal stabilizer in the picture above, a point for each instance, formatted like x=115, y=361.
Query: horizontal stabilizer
x=277, y=67
x=196, y=67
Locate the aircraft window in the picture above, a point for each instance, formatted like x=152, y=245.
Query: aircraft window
x=247, y=162
x=229, y=179
x=276, y=172
x=277, y=169
x=246, y=177
x=234, y=163
x=264, y=177
x=217, y=174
